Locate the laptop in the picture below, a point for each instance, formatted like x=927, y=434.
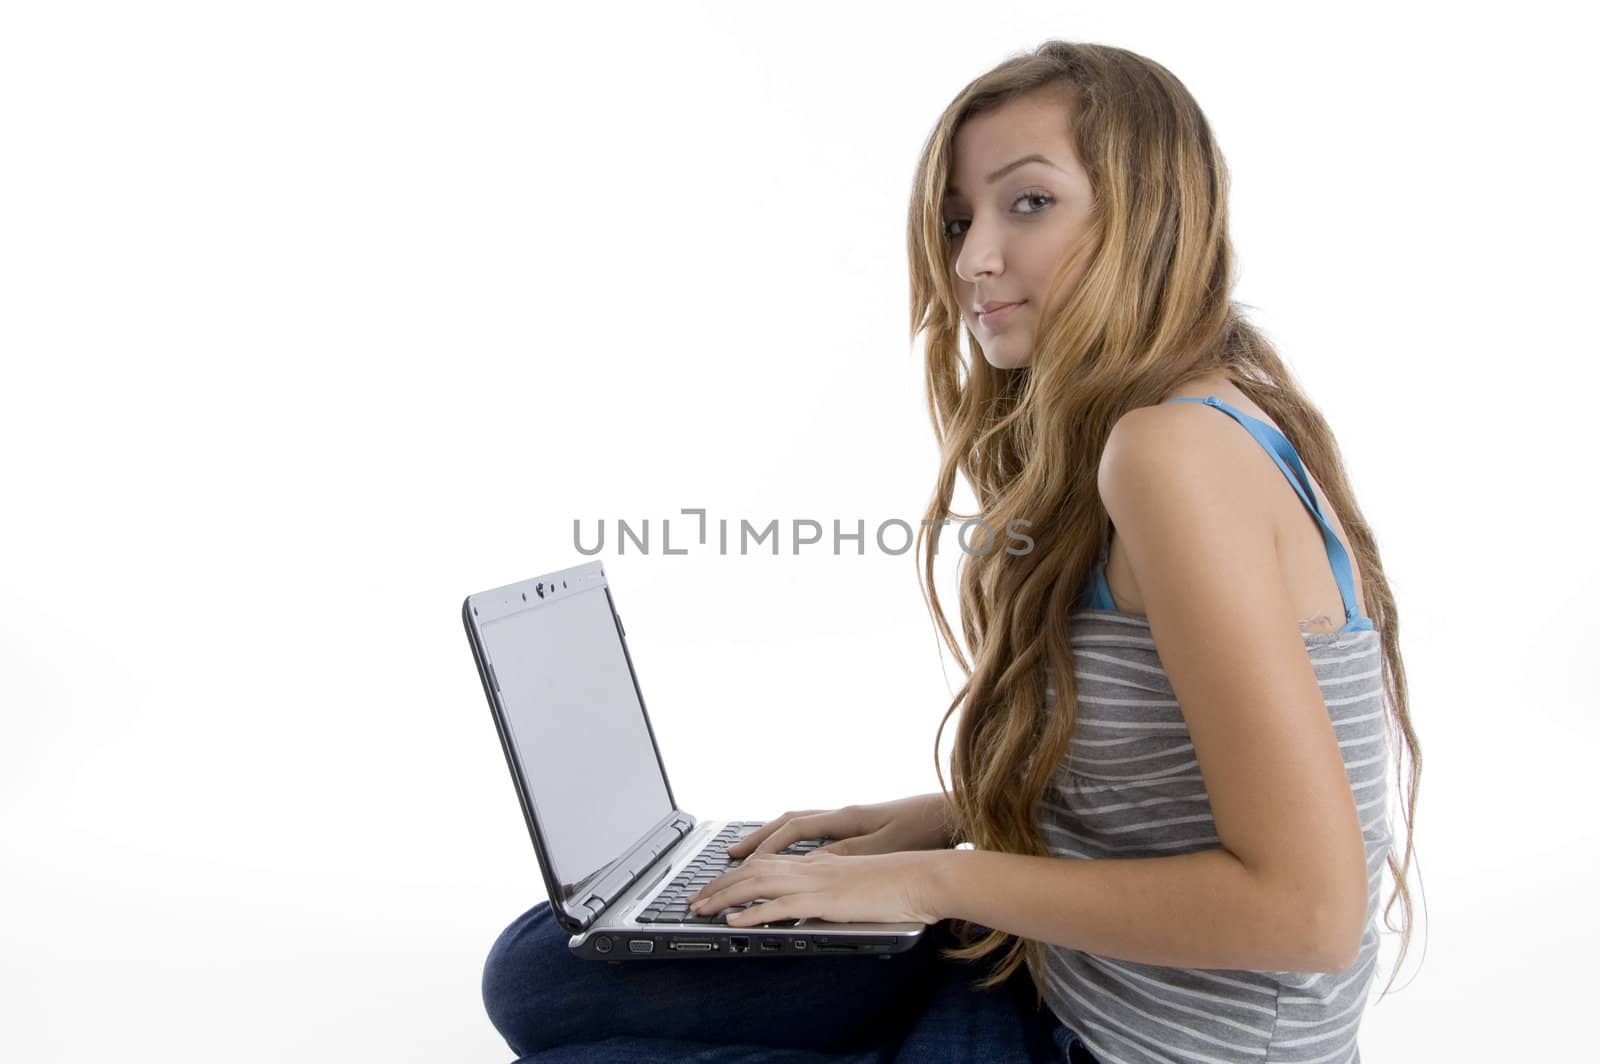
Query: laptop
x=619, y=858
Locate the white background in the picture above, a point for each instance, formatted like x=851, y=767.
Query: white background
x=316, y=317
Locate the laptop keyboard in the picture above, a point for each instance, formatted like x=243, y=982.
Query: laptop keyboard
x=671, y=905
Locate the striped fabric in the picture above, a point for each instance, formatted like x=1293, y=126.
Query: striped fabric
x=1131, y=787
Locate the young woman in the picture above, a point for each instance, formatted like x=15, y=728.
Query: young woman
x=1171, y=757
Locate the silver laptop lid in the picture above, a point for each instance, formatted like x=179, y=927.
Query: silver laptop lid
x=553, y=658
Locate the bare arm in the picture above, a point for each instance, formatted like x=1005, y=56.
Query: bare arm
x=1195, y=910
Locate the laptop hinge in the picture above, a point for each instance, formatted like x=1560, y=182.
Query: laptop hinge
x=608, y=890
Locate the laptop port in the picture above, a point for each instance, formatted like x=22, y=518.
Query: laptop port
x=770, y=945
x=740, y=945
x=799, y=943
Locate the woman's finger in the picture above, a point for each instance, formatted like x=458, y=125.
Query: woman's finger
x=755, y=880
x=776, y=909
x=731, y=877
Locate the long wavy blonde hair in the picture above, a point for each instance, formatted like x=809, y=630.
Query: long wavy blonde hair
x=1152, y=311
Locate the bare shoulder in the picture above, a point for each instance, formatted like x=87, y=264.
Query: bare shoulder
x=1215, y=449
x=1197, y=439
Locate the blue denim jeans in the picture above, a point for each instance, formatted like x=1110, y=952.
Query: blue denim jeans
x=911, y=1008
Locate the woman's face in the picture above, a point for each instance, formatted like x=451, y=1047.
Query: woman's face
x=1007, y=226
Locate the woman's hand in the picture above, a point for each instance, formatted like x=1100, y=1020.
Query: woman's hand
x=841, y=888
x=887, y=827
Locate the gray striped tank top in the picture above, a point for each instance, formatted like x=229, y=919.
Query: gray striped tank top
x=1131, y=787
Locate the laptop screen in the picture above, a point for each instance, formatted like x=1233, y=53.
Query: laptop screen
x=577, y=730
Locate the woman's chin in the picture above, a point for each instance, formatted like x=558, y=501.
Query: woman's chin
x=1004, y=359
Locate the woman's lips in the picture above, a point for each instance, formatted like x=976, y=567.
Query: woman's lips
x=998, y=314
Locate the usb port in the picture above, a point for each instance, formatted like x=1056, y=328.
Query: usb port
x=771, y=945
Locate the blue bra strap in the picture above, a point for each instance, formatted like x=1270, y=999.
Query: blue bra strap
x=1283, y=453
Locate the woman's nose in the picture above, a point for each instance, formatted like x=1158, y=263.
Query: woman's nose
x=977, y=260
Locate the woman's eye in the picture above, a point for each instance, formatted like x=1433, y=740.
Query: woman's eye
x=1049, y=199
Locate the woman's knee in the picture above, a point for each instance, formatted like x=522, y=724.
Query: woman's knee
x=517, y=971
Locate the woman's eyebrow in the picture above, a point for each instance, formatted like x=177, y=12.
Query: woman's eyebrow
x=951, y=189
